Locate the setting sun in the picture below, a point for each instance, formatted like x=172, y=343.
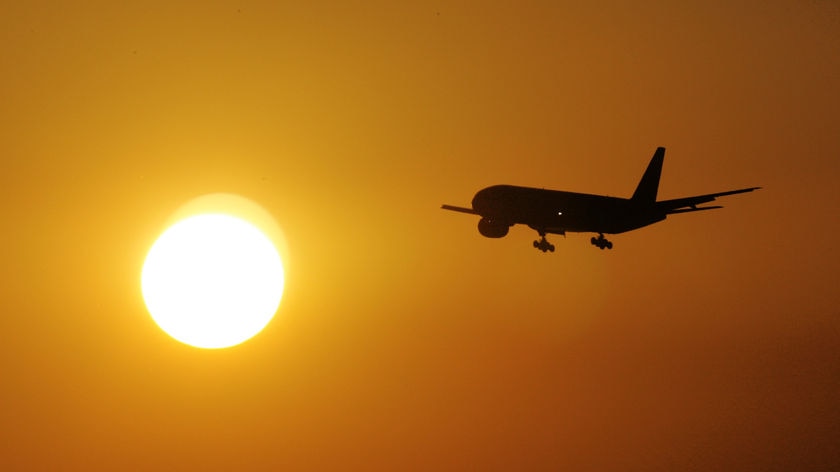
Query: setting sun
x=212, y=280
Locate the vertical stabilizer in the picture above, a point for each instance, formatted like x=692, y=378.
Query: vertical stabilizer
x=646, y=190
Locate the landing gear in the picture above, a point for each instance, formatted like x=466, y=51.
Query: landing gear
x=601, y=242
x=543, y=245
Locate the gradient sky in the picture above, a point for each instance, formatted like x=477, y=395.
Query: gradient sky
x=405, y=340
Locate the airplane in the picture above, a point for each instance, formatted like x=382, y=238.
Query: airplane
x=558, y=212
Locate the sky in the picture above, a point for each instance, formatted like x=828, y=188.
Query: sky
x=405, y=340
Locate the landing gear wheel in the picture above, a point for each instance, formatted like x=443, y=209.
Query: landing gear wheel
x=601, y=242
x=543, y=245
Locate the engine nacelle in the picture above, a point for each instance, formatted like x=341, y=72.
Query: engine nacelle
x=492, y=229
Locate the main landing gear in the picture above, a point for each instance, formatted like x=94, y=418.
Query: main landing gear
x=543, y=245
x=601, y=242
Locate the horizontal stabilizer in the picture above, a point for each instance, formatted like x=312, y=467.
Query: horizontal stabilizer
x=689, y=210
x=688, y=204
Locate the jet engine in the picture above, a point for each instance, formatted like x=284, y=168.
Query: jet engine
x=492, y=229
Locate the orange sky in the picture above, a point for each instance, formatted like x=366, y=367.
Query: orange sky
x=405, y=340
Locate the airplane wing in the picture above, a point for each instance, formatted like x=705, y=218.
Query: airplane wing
x=689, y=204
x=460, y=209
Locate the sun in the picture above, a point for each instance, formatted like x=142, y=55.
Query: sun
x=212, y=280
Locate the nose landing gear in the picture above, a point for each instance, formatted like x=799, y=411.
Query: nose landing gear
x=601, y=242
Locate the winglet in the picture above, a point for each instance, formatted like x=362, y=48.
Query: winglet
x=649, y=185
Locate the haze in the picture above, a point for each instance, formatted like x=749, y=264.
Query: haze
x=405, y=340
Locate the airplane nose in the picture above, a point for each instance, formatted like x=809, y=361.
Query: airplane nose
x=486, y=201
x=480, y=200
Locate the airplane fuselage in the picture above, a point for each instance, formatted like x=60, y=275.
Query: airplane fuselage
x=555, y=211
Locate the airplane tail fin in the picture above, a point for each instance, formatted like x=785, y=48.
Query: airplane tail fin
x=648, y=186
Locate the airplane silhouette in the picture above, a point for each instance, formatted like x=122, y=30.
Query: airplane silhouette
x=556, y=212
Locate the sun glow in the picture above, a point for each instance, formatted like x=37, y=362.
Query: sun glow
x=212, y=280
